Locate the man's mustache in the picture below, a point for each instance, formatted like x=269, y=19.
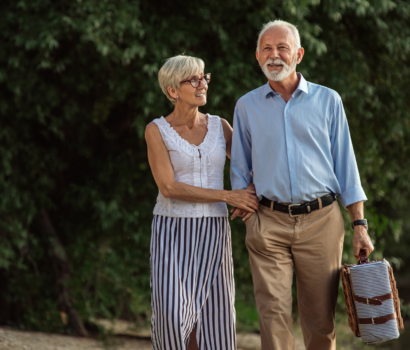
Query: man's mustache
x=276, y=61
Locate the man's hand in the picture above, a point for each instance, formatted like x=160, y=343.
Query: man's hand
x=236, y=212
x=361, y=240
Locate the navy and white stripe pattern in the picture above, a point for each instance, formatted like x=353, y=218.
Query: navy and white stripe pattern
x=371, y=280
x=192, y=283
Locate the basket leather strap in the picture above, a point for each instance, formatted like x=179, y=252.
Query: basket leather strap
x=377, y=320
x=375, y=300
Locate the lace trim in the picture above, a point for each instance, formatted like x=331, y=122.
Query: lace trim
x=207, y=145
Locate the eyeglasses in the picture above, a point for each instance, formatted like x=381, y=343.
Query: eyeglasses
x=195, y=81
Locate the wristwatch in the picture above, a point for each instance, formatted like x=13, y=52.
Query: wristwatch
x=359, y=222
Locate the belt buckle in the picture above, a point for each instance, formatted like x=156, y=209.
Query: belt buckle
x=290, y=210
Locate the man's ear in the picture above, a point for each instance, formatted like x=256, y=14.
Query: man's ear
x=257, y=57
x=172, y=92
x=301, y=53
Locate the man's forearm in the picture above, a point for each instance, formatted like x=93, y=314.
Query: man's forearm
x=356, y=211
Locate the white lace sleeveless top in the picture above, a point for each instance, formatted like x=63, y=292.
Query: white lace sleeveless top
x=201, y=166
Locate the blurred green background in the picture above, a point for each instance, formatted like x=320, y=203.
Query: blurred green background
x=78, y=85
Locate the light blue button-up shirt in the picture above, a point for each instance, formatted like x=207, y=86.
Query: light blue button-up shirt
x=299, y=150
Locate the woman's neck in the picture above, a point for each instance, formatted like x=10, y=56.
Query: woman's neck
x=184, y=115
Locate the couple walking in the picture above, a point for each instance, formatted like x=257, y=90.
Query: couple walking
x=291, y=155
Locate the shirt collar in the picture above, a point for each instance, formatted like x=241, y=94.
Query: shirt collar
x=303, y=86
x=267, y=90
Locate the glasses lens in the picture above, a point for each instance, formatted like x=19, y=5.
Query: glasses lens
x=205, y=80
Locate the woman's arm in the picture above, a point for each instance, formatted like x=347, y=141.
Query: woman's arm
x=227, y=128
x=163, y=173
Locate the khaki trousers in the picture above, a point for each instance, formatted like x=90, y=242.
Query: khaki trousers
x=312, y=245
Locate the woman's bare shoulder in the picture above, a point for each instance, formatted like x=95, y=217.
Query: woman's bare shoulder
x=152, y=131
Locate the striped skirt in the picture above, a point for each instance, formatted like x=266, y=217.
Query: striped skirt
x=192, y=283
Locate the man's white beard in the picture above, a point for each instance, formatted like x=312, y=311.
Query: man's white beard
x=282, y=74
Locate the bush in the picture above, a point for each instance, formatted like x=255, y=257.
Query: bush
x=78, y=82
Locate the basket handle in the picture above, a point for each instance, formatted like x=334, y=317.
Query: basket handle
x=363, y=257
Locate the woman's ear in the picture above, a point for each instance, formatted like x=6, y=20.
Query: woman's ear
x=172, y=92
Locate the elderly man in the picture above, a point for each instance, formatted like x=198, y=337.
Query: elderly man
x=291, y=139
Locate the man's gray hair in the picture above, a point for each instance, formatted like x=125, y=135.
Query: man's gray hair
x=279, y=23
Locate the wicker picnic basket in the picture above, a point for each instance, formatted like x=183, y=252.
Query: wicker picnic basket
x=372, y=300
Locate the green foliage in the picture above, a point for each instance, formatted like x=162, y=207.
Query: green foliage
x=247, y=318
x=78, y=83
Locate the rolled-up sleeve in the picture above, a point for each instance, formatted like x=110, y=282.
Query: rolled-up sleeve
x=241, y=153
x=344, y=160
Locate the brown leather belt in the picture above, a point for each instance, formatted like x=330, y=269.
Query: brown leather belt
x=377, y=320
x=375, y=300
x=298, y=209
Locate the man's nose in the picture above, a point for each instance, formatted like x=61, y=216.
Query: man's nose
x=274, y=53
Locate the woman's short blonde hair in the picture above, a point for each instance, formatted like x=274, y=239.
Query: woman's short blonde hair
x=177, y=69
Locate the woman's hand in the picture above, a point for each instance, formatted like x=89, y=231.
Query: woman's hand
x=244, y=214
x=243, y=199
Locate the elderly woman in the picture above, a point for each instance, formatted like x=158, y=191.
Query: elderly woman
x=191, y=259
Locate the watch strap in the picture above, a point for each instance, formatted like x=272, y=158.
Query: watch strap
x=359, y=222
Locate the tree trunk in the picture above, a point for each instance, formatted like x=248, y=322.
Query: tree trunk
x=61, y=269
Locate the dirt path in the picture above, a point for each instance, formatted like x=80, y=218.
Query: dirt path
x=11, y=339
